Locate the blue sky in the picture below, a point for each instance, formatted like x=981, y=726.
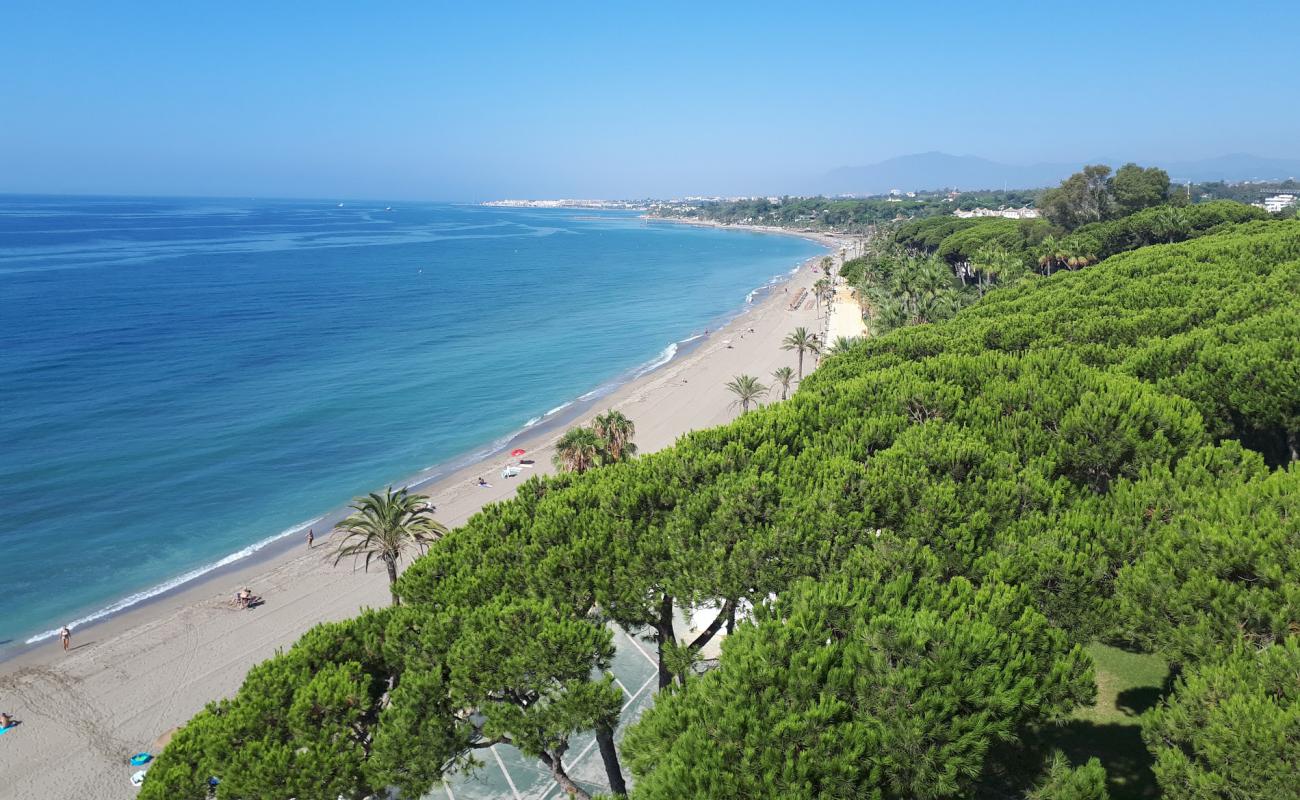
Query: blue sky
x=475, y=100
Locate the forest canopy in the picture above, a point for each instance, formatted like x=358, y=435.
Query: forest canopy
x=907, y=557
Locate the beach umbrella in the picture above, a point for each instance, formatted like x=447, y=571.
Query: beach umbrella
x=517, y=452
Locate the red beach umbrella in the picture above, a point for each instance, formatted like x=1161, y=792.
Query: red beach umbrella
x=517, y=452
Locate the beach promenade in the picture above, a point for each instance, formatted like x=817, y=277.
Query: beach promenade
x=129, y=680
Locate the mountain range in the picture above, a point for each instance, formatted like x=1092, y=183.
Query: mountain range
x=935, y=170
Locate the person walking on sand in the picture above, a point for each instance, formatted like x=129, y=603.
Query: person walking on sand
x=311, y=537
x=65, y=634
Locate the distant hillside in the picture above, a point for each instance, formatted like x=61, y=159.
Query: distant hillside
x=936, y=170
x=1233, y=167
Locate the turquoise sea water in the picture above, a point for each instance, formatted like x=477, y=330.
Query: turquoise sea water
x=181, y=380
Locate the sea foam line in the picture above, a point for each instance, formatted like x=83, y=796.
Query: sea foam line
x=180, y=580
x=665, y=355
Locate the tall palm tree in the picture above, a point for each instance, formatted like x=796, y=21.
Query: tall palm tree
x=617, y=431
x=783, y=377
x=384, y=526
x=578, y=450
x=821, y=290
x=801, y=341
x=747, y=390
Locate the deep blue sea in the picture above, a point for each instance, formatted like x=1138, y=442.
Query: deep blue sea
x=181, y=380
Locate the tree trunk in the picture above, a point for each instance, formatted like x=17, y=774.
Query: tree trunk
x=392, y=580
x=801, y=364
x=608, y=754
x=1293, y=442
x=666, y=637
x=561, y=777
x=728, y=610
x=731, y=621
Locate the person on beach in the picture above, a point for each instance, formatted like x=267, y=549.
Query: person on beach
x=5, y=720
x=65, y=634
x=311, y=537
x=482, y=482
x=245, y=595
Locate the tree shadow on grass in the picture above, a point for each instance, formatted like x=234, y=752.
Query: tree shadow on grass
x=1119, y=748
x=1137, y=701
x=1012, y=770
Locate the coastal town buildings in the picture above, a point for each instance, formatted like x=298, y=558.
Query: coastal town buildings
x=1007, y=213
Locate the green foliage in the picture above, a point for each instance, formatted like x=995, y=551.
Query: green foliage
x=747, y=390
x=928, y=531
x=801, y=341
x=386, y=526
x=1013, y=235
x=578, y=450
x=927, y=233
x=1135, y=188
x=906, y=289
x=887, y=681
x=296, y=728
x=1231, y=727
x=1064, y=782
x=853, y=215
x=615, y=431
x=1081, y=198
x=783, y=377
x=1217, y=568
x=1163, y=224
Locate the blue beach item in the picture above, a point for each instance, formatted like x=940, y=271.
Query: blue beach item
x=140, y=759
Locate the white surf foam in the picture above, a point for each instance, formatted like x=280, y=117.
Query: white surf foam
x=180, y=580
x=665, y=355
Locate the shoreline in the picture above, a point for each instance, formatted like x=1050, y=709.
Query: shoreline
x=273, y=548
x=139, y=673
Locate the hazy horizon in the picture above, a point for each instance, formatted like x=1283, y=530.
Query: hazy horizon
x=466, y=104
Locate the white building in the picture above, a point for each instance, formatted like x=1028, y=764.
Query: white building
x=1278, y=202
x=1007, y=213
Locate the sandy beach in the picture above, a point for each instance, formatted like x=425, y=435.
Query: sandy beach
x=845, y=320
x=134, y=676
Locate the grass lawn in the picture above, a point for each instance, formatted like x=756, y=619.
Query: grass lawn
x=1127, y=685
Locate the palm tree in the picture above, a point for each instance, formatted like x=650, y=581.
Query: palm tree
x=747, y=390
x=783, y=376
x=1169, y=223
x=801, y=342
x=384, y=526
x=821, y=290
x=578, y=450
x=889, y=316
x=842, y=343
x=617, y=431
